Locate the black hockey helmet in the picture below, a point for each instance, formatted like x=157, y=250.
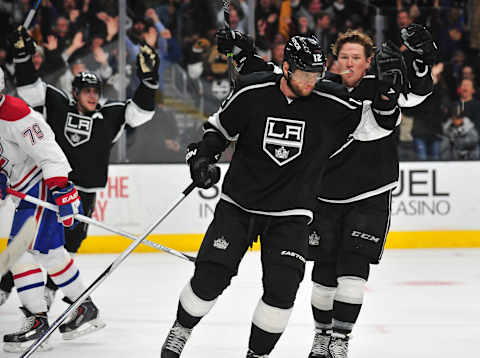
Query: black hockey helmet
x=84, y=80
x=306, y=54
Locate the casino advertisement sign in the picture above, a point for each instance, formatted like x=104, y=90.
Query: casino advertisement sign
x=437, y=196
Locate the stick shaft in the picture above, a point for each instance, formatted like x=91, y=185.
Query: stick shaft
x=31, y=14
x=90, y=221
x=103, y=276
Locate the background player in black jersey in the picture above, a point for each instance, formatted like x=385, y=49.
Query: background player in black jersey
x=268, y=190
x=353, y=214
x=84, y=129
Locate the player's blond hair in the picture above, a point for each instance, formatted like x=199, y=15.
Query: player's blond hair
x=354, y=36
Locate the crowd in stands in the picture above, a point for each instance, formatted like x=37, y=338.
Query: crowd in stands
x=78, y=35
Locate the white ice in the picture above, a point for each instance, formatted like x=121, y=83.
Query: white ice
x=419, y=303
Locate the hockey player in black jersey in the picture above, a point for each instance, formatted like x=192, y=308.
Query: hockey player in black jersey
x=282, y=145
x=353, y=213
x=84, y=129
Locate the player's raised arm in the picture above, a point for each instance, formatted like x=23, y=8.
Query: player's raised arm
x=142, y=106
x=420, y=56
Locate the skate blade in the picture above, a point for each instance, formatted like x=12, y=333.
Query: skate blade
x=20, y=347
x=84, y=329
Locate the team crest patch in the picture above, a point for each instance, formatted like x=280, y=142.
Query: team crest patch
x=283, y=139
x=221, y=243
x=78, y=129
x=314, y=239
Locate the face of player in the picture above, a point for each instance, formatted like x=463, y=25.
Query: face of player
x=88, y=99
x=301, y=82
x=352, y=58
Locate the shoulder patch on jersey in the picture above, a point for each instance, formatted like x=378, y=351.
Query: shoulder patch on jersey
x=13, y=109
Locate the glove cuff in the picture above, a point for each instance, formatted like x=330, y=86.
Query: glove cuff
x=150, y=83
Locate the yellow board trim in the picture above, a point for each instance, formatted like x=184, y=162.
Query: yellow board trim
x=191, y=242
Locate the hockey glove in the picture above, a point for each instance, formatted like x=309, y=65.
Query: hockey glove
x=386, y=96
x=227, y=39
x=391, y=67
x=147, y=66
x=69, y=204
x=23, y=46
x=203, y=173
x=419, y=40
x=3, y=186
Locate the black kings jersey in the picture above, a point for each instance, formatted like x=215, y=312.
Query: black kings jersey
x=282, y=144
x=367, y=164
x=86, y=139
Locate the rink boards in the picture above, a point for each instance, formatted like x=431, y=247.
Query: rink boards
x=436, y=204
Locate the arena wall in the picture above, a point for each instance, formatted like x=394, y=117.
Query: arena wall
x=437, y=204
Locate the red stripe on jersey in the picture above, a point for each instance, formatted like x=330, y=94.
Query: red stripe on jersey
x=64, y=270
x=27, y=273
x=25, y=177
x=60, y=182
x=13, y=109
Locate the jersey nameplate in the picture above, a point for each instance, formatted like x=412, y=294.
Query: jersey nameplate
x=78, y=129
x=283, y=139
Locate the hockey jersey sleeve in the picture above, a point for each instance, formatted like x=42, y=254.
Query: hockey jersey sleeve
x=141, y=107
x=30, y=86
x=34, y=136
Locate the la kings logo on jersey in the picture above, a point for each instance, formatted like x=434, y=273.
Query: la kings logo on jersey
x=78, y=129
x=283, y=139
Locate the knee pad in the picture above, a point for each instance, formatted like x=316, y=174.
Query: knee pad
x=194, y=305
x=209, y=280
x=280, y=285
x=26, y=262
x=55, y=260
x=324, y=273
x=352, y=264
x=350, y=290
x=322, y=297
x=271, y=319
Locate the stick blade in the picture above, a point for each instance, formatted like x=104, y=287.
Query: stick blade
x=18, y=246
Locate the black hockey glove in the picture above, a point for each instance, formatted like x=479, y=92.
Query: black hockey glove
x=227, y=39
x=386, y=96
x=203, y=173
x=23, y=46
x=147, y=66
x=391, y=67
x=419, y=40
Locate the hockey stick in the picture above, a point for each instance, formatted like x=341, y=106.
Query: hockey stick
x=31, y=14
x=17, y=246
x=226, y=17
x=103, y=276
x=87, y=220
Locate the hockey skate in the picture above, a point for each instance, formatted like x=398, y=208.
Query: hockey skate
x=251, y=354
x=176, y=339
x=338, y=346
x=83, y=321
x=3, y=296
x=34, y=325
x=320, y=344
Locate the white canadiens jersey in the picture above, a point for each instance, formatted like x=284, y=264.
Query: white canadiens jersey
x=28, y=151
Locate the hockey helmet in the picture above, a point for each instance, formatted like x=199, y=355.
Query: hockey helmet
x=84, y=80
x=2, y=80
x=305, y=54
